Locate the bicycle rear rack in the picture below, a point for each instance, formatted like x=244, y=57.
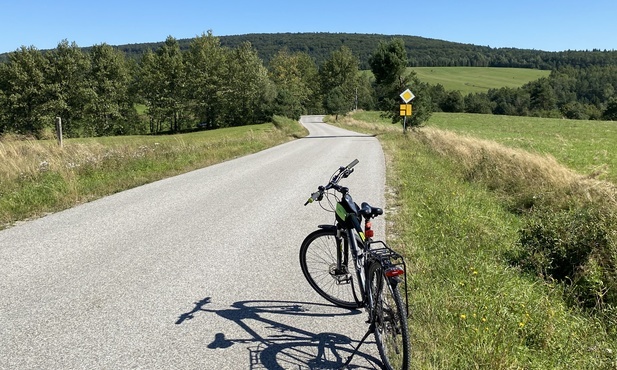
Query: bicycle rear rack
x=389, y=258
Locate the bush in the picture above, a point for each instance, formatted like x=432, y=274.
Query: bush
x=577, y=248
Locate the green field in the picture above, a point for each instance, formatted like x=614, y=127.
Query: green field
x=477, y=79
x=588, y=147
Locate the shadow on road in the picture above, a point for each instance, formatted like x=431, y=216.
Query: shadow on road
x=285, y=345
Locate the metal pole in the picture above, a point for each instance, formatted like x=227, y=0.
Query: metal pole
x=59, y=130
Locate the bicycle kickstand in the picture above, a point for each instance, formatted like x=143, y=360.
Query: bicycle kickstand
x=369, y=331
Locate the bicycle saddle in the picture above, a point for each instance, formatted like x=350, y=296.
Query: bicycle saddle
x=368, y=211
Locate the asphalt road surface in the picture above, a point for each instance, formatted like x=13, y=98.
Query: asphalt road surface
x=198, y=271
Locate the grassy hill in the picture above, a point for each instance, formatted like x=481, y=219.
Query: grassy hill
x=477, y=79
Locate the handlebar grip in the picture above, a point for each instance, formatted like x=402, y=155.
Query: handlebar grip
x=353, y=163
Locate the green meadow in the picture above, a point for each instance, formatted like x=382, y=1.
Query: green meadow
x=588, y=147
x=477, y=79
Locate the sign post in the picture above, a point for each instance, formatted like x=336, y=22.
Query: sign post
x=59, y=130
x=406, y=109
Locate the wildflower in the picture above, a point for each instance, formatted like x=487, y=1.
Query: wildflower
x=521, y=324
x=463, y=316
x=484, y=319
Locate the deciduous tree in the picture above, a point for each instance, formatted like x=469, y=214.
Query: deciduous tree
x=206, y=67
x=23, y=86
x=163, y=82
x=111, y=109
x=68, y=90
x=294, y=78
x=248, y=92
x=339, y=80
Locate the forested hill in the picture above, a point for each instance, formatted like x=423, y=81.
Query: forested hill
x=422, y=52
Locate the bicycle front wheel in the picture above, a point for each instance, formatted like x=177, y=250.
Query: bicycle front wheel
x=332, y=279
x=388, y=313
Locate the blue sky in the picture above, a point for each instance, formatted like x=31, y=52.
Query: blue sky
x=551, y=25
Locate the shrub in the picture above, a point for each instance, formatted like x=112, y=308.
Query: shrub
x=576, y=247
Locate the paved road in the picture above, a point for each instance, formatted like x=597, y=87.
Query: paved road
x=198, y=271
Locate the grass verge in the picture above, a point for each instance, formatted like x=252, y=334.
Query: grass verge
x=38, y=177
x=457, y=212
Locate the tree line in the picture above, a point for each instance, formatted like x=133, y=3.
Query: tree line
x=568, y=92
x=99, y=91
x=422, y=52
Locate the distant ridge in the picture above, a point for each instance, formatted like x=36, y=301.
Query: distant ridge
x=422, y=52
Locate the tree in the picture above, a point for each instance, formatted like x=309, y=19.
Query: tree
x=510, y=101
x=111, y=108
x=453, y=102
x=478, y=103
x=290, y=74
x=67, y=86
x=206, y=67
x=339, y=80
x=542, y=95
x=310, y=76
x=365, y=92
x=388, y=64
x=23, y=86
x=610, y=113
x=337, y=102
x=248, y=92
x=162, y=82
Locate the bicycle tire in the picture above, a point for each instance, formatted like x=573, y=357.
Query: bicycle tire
x=388, y=312
x=318, y=259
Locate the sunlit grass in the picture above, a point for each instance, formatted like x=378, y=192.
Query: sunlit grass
x=37, y=176
x=477, y=79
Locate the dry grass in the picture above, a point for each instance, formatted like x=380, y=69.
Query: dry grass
x=364, y=126
x=27, y=158
x=517, y=172
x=38, y=177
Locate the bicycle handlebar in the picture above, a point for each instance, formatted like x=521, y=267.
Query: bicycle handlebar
x=341, y=173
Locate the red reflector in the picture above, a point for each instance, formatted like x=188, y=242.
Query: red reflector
x=394, y=271
x=369, y=233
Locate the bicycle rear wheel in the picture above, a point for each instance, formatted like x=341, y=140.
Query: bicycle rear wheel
x=388, y=313
x=318, y=259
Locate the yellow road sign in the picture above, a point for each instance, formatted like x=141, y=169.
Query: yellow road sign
x=407, y=96
x=406, y=109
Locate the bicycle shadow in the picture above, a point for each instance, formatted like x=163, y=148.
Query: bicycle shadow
x=285, y=346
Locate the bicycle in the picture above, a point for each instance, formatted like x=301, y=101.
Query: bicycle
x=347, y=267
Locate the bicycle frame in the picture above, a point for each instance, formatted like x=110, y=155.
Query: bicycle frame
x=358, y=252
x=361, y=253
